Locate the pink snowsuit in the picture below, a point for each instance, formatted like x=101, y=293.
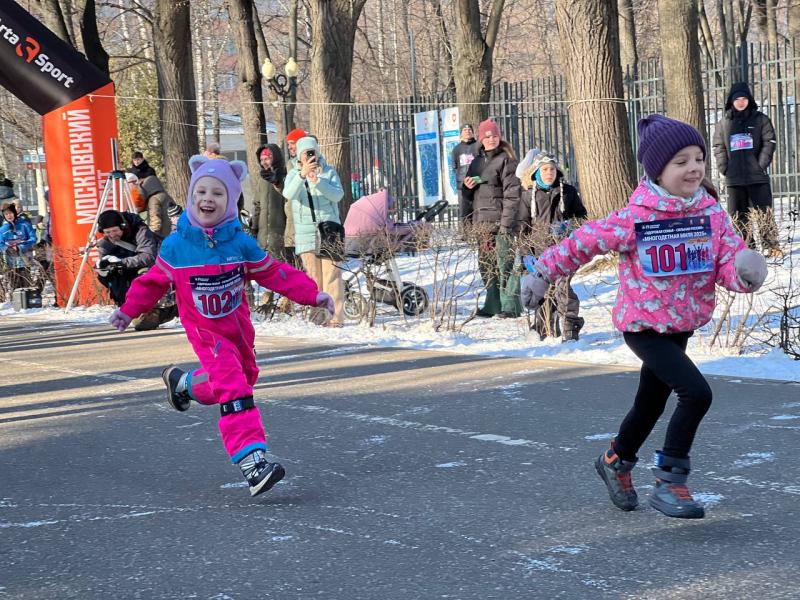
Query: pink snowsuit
x=210, y=269
x=671, y=304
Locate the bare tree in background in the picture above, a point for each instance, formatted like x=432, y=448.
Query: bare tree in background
x=172, y=40
x=333, y=25
x=474, y=50
x=246, y=27
x=793, y=18
x=629, y=57
x=56, y=20
x=680, y=55
x=598, y=122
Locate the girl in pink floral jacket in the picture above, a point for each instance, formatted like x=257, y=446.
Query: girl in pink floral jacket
x=675, y=243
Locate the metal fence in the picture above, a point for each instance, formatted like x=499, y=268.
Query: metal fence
x=534, y=113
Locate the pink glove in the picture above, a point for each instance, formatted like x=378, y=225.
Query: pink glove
x=751, y=268
x=119, y=320
x=325, y=301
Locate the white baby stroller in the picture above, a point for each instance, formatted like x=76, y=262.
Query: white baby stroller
x=372, y=240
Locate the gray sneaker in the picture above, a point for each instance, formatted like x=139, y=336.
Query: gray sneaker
x=616, y=474
x=670, y=495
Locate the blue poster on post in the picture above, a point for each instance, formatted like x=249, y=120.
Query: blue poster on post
x=426, y=135
x=451, y=136
x=670, y=247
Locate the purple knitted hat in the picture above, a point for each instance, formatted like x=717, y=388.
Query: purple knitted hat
x=229, y=173
x=660, y=139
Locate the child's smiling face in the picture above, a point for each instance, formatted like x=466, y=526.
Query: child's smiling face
x=209, y=201
x=684, y=172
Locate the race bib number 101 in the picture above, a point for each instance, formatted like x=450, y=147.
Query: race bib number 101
x=218, y=295
x=675, y=246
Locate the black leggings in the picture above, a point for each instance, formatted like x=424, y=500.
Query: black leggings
x=665, y=368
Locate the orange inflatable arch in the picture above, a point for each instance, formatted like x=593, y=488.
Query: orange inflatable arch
x=76, y=101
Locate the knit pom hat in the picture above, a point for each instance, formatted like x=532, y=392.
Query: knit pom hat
x=296, y=134
x=486, y=127
x=230, y=174
x=661, y=138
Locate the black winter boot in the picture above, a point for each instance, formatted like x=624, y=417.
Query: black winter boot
x=670, y=495
x=572, y=329
x=261, y=474
x=177, y=392
x=616, y=473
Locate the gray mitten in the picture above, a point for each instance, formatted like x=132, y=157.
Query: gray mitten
x=751, y=268
x=533, y=289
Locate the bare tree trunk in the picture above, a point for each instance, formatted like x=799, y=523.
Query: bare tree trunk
x=629, y=57
x=793, y=18
x=680, y=55
x=252, y=108
x=173, y=53
x=761, y=10
x=200, y=69
x=472, y=69
x=55, y=20
x=444, y=35
x=590, y=47
x=333, y=25
x=291, y=100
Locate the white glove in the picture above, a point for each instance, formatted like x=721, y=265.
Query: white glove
x=751, y=268
x=534, y=289
x=110, y=258
x=119, y=320
x=325, y=301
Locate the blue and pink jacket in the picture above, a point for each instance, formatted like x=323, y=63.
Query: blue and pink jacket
x=210, y=270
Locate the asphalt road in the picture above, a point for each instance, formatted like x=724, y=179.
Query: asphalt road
x=410, y=474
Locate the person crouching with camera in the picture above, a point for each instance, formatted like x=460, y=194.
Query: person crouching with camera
x=127, y=250
x=314, y=190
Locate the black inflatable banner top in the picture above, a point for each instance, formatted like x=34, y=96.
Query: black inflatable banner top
x=38, y=67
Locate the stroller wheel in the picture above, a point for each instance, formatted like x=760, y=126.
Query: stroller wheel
x=355, y=306
x=413, y=300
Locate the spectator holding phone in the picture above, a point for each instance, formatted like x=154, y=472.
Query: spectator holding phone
x=314, y=190
x=491, y=194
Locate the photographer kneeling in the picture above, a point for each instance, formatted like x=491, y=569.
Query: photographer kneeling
x=127, y=250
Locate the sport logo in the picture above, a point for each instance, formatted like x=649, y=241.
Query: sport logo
x=30, y=52
x=32, y=49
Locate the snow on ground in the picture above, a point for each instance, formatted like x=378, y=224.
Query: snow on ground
x=599, y=344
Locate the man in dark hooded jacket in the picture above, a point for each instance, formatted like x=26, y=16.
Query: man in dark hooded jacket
x=462, y=156
x=273, y=171
x=744, y=143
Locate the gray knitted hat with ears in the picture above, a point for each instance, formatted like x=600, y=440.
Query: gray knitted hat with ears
x=543, y=158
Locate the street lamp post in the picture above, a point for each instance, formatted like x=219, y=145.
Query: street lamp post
x=283, y=86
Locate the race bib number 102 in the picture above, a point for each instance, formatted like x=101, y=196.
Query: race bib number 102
x=675, y=246
x=218, y=295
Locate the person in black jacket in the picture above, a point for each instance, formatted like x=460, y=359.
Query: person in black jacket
x=550, y=209
x=140, y=167
x=273, y=171
x=127, y=250
x=491, y=202
x=744, y=142
x=462, y=156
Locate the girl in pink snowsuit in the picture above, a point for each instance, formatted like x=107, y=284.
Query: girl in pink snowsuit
x=675, y=244
x=210, y=260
